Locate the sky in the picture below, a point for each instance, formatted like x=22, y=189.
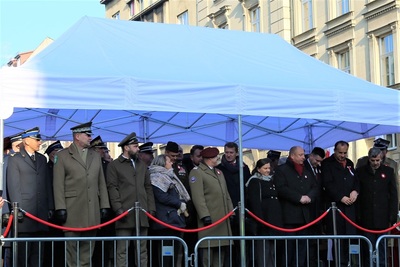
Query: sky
x=24, y=24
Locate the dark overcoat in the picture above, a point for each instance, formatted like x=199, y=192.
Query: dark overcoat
x=377, y=201
x=291, y=187
x=29, y=185
x=79, y=187
x=126, y=185
x=339, y=181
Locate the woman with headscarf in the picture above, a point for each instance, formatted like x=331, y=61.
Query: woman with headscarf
x=170, y=197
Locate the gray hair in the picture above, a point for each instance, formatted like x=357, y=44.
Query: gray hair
x=160, y=160
x=374, y=152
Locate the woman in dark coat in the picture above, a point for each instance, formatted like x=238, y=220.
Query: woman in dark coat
x=263, y=201
x=170, y=197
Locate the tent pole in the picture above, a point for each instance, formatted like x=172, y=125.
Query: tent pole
x=242, y=204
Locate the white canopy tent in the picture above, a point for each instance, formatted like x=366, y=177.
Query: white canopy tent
x=189, y=84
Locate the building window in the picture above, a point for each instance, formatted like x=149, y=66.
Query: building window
x=159, y=15
x=183, y=18
x=393, y=140
x=343, y=59
x=139, y=5
x=116, y=15
x=342, y=7
x=224, y=26
x=386, y=60
x=132, y=8
x=255, y=19
x=306, y=15
x=148, y=18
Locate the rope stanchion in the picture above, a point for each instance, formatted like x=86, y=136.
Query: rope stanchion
x=7, y=230
x=189, y=230
x=365, y=229
x=75, y=229
x=286, y=229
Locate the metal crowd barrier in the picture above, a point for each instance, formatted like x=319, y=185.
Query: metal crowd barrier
x=315, y=250
x=387, y=251
x=106, y=256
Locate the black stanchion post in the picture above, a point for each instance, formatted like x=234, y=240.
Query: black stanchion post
x=137, y=226
x=15, y=209
x=335, y=241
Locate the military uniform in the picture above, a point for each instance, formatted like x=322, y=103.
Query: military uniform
x=211, y=198
x=29, y=185
x=80, y=190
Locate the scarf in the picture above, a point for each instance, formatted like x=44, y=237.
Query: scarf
x=232, y=168
x=164, y=179
x=258, y=175
x=298, y=167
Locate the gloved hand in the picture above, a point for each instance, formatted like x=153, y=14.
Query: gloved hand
x=5, y=218
x=50, y=215
x=61, y=216
x=206, y=220
x=183, y=207
x=104, y=213
x=119, y=212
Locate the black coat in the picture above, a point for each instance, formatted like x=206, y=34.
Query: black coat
x=338, y=182
x=262, y=200
x=291, y=187
x=377, y=201
x=232, y=178
x=29, y=185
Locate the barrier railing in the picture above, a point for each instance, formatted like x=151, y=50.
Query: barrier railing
x=138, y=209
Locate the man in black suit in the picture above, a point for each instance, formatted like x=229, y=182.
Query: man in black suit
x=342, y=187
x=29, y=185
x=297, y=189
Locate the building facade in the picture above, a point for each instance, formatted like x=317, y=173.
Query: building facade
x=360, y=37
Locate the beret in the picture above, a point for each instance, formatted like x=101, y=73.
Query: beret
x=209, y=152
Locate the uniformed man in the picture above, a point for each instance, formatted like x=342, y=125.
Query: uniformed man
x=128, y=181
x=29, y=185
x=383, y=145
x=101, y=148
x=80, y=192
x=146, y=154
x=212, y=201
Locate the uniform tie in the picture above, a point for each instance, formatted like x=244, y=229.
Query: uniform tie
x=33, y=157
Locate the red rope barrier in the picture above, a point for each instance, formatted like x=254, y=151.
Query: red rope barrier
x=8, y=225
x=189, y=230
x=365, y=229
x=74, y=229
x=286, y=229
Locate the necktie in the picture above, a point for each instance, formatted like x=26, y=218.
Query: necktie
x=33, y=157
